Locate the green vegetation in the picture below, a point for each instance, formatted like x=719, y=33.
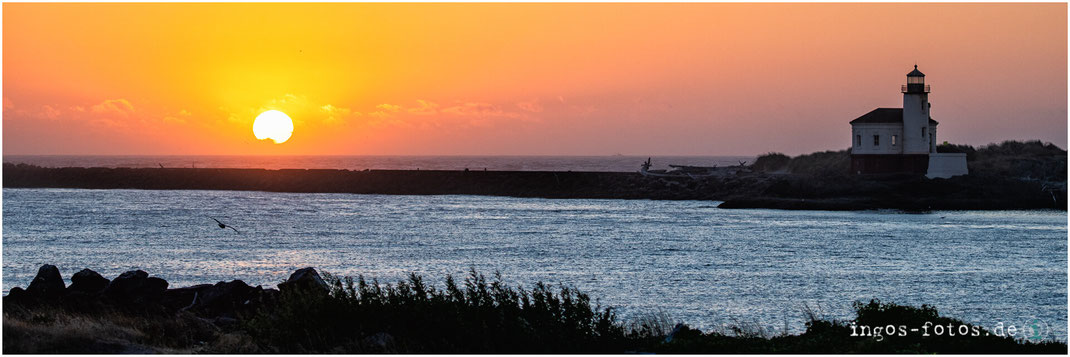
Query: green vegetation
x=1032, y=160
x=414, y=317
x=475, y=316
x=827, y=163
x=1025, y=159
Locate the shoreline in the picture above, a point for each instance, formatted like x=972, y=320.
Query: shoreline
x=309, y=313
x=743, y=190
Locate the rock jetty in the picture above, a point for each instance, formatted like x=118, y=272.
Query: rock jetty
x=137, y=291
x=739, y=190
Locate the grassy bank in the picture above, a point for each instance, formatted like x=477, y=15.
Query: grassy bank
x=1007, y=175
x=476, y=315
x=1030, y=160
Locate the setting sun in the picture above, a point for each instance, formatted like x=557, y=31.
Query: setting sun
x=274, y=125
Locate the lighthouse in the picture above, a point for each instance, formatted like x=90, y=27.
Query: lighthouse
x=919, y=136
x=902, y=140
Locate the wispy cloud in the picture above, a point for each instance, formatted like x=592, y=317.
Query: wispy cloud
x=114, y=107
x=177, y=118
x=385, y=110
x=479, y=109
x=530, y=106
x=49, y=112
x=337, y=115
x=424, y=107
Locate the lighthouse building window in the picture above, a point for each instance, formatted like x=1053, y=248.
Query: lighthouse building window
x=858, y=140
x=876, y=140
x=894, y=137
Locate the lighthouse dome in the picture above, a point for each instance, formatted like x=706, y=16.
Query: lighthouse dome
x=915, y=72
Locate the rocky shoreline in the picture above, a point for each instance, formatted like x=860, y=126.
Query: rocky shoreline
x=139, y=313
x=977, y=191
x=208, y=307
x=222, y=303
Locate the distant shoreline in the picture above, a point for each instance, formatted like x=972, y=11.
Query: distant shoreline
x=606, y=163
x=747, y=190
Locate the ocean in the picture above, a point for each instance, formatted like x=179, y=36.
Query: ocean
x=686, y=259
x=617, y=163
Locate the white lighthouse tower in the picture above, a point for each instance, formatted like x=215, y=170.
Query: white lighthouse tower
x=918, y=134
x=889, y=140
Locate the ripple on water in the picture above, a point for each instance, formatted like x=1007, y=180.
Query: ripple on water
x=698, y=264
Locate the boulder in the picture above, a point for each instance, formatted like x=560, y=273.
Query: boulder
x=82, y=301
x=87, y=281
x=227, y=298
x=304, y=280
x=47, y=284
x=180, y=298
x=224, y=299
x=135, y=286
x=156, y=285
x=16, y=296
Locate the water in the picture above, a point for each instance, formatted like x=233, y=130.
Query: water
x=617, y=163
x=699, y=264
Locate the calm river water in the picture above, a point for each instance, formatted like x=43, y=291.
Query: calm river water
x=696, y=263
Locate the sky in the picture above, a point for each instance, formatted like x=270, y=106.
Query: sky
x=519, y=79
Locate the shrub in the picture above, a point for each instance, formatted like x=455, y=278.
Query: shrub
x=411, y=316
x=773, y=161
x=827, y=163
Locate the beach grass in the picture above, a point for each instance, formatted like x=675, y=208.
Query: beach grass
x=475, y=315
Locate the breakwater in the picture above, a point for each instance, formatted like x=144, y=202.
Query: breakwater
x=740, y=190
x=548, y=184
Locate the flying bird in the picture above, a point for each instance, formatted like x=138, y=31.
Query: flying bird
x=223, y=226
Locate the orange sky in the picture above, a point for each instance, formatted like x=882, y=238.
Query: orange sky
x=519, y=79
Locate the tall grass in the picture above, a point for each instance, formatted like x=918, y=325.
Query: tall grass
x=826, y=163
x=1027, y=159
x=476, y=315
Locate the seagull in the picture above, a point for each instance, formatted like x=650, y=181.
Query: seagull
x=223, y=226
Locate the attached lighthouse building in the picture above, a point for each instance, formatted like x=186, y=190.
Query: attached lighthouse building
x=889, y=140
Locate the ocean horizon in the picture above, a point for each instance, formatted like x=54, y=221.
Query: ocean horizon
x=608, y=163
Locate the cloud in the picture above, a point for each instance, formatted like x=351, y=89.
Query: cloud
x=48, y=112
x=337, y=115
x=288, y=102
x=584, y=109
x=114, y=107
x=385, y=110
x=479, y=109
x=108, y=123
x=424, y=108
x=530, y=106
x=177, y=118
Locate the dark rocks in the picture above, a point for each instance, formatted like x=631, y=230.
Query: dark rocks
x=135, y=287
x=183, y=298
x=48, y=284
x=225, y=302
x=154, y=284
x=16, y=296
x=226, y=297
x=232, y=299
x=304, y=280
x=87, y=281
